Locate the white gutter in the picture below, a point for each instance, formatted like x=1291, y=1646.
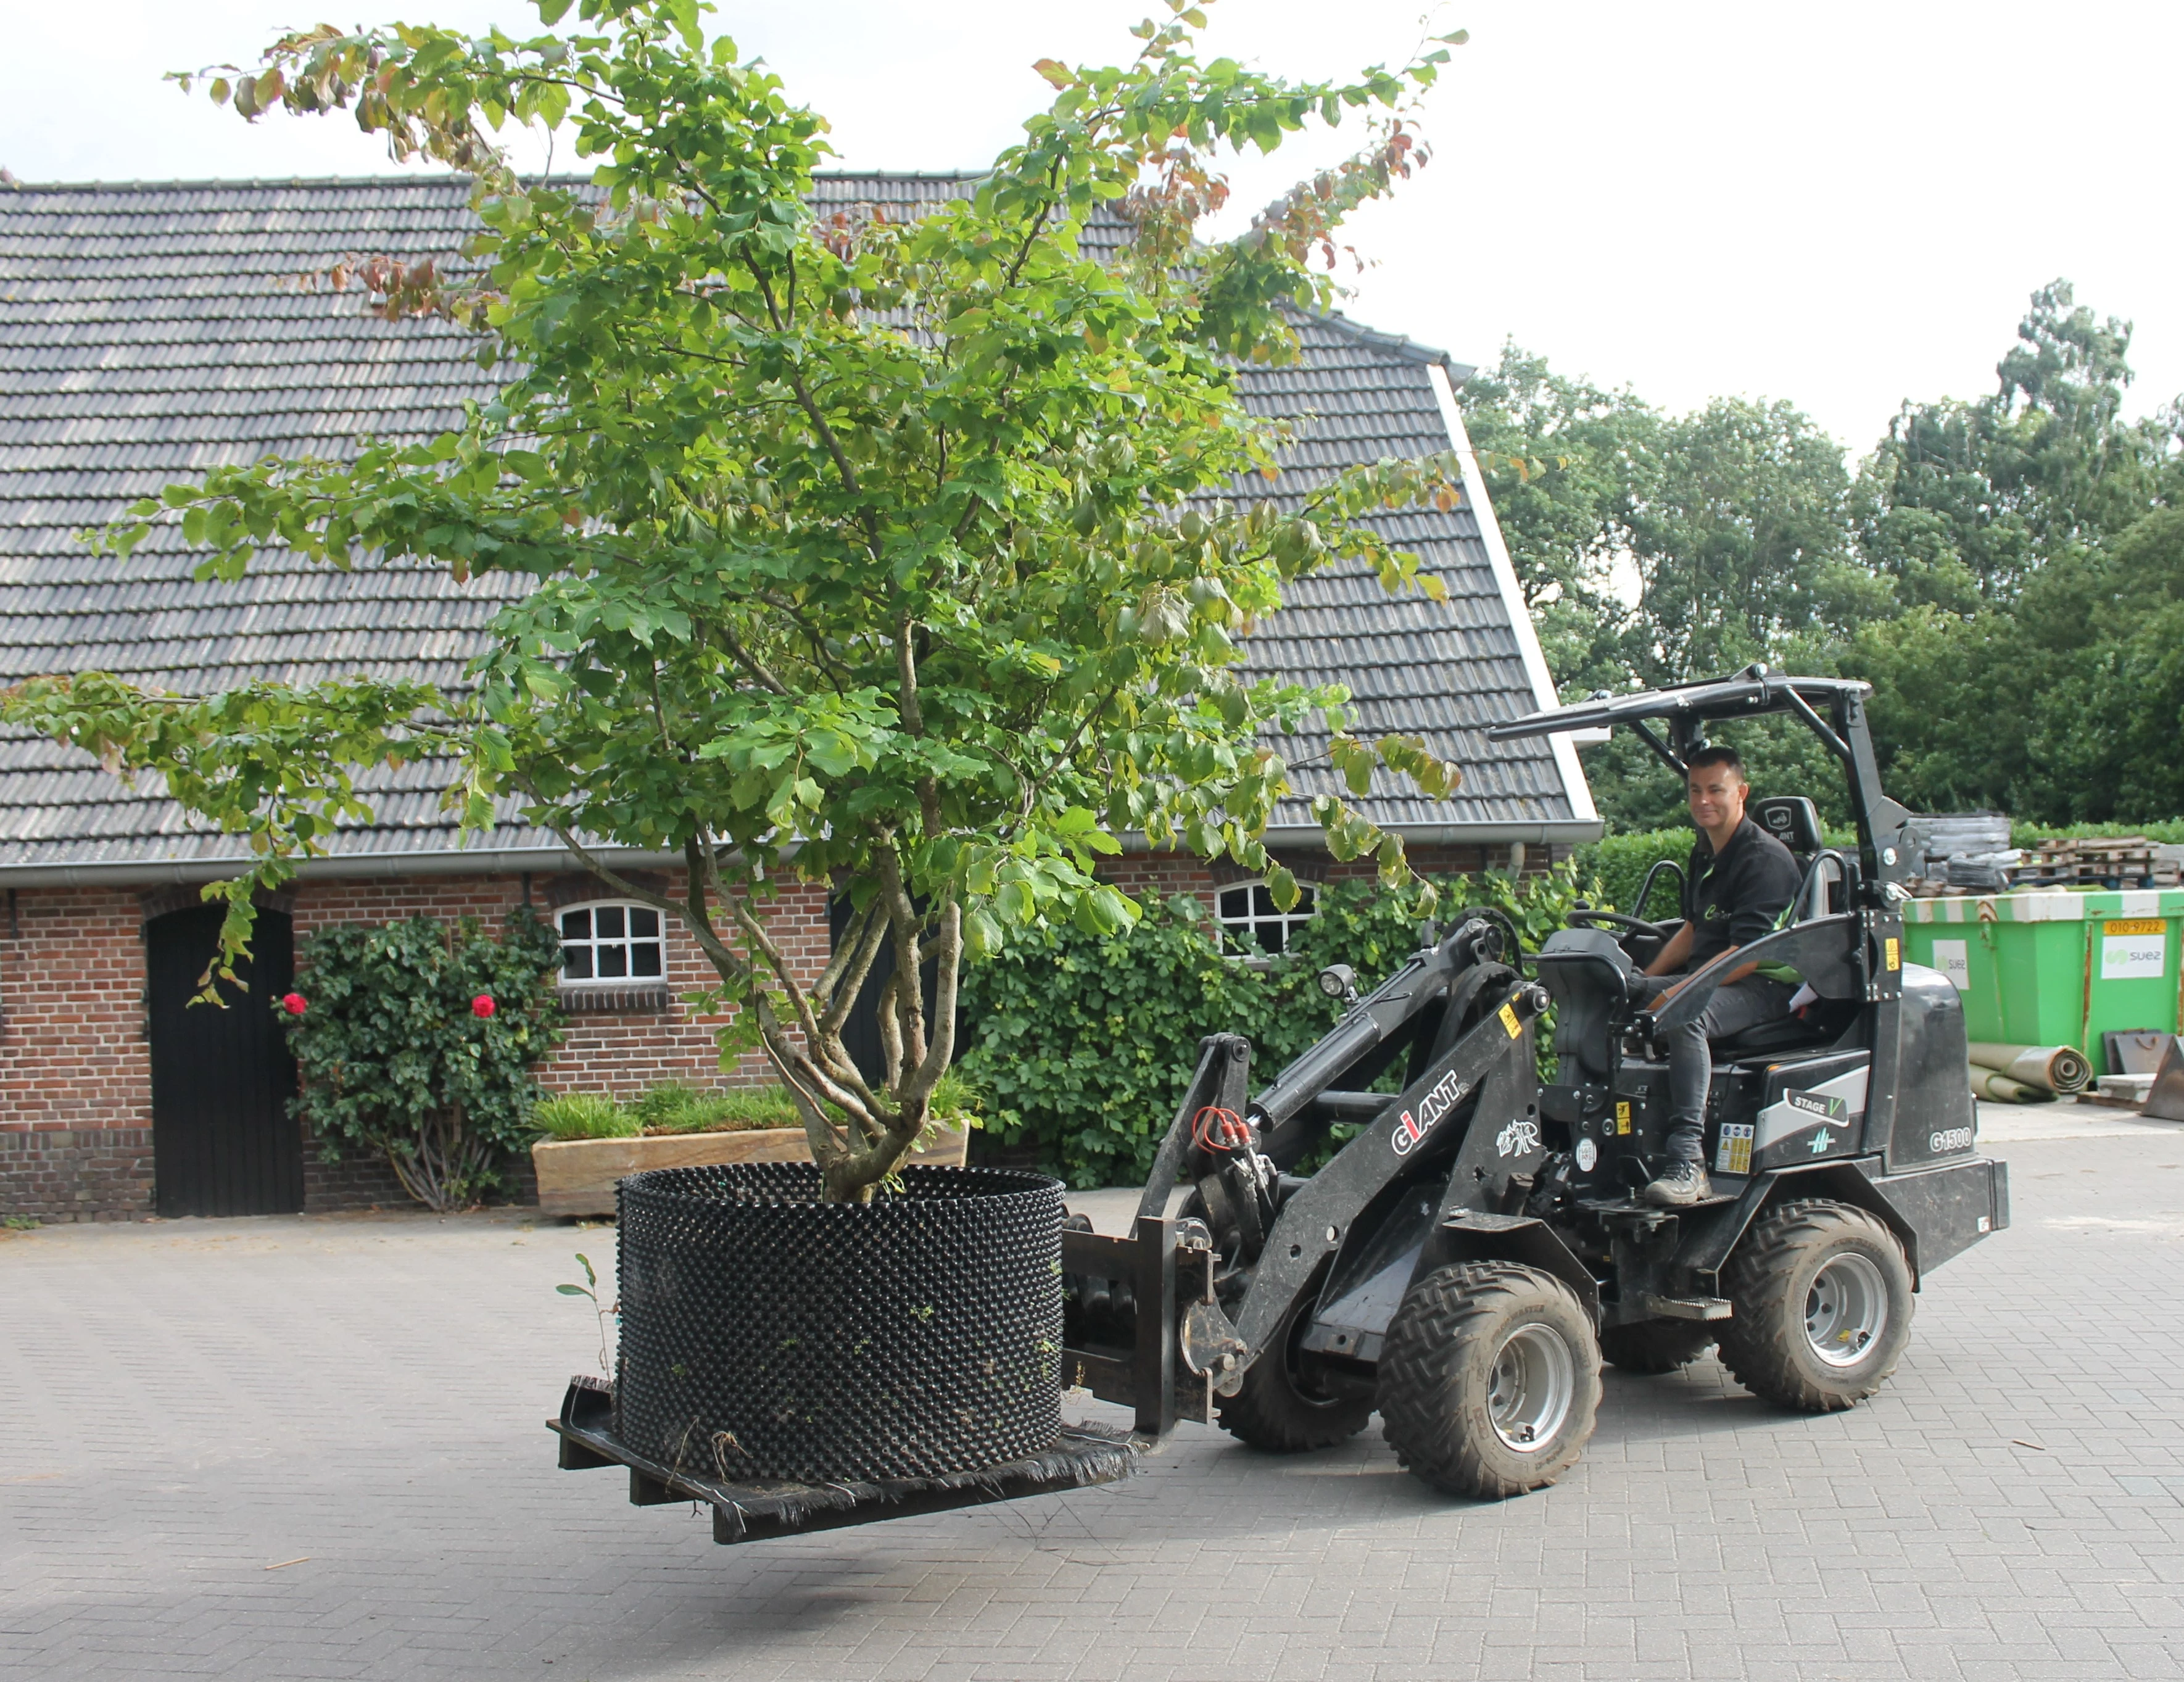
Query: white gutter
x=1513, y=602
x=482, y=861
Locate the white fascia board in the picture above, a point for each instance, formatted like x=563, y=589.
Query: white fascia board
x=1562, y=745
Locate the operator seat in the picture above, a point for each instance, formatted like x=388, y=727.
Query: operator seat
x=1792, y=820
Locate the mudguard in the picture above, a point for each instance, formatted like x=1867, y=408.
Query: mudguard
x=1937, y=1213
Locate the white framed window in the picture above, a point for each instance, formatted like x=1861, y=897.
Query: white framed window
x=612, y=941
x=1247, y=914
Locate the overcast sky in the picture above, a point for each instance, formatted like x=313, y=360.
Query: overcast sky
x=1844, y=205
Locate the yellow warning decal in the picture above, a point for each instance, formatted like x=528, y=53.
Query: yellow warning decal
x=1893, y=952
x=1623, y=1117
x=2135, y=925
x=1509, y=1021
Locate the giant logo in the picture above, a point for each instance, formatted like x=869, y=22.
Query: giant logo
x=1447, y=1093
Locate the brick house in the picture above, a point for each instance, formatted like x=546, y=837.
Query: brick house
x=150, y=331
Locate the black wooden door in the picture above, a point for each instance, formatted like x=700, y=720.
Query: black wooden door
x=223, y=1141
x=860, y=1033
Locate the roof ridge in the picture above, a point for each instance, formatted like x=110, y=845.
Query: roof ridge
x=393, y=178
x=1401, y=344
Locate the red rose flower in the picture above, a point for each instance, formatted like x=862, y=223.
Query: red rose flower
x=292, y=1003
x=482, y=1005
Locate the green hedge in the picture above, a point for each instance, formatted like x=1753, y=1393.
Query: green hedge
x=1083, y=1044
x=2170, y=832
x=1616, y=866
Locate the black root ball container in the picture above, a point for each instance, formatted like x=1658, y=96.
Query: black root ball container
x=765, y=1334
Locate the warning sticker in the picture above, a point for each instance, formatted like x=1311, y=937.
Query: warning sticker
x=1893, y=953
x=1509, y=1021
x=1733, y=1154
x=1623, y=1117
x=2134, y=957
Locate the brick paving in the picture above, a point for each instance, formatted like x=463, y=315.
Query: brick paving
x=311, y=1448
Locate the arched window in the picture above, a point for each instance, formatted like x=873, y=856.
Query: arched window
x=1247, y=914
x=610, y=940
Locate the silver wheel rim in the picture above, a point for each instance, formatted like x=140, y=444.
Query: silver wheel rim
x=1845, y=1310
x=1530, y=1387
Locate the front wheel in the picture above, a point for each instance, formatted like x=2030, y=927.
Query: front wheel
x=1489, y=1379
x=1275, y=1411
x=1823, y=1306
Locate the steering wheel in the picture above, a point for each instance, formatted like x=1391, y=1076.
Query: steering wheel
x=1635, y=925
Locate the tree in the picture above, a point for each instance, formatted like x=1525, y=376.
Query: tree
x=1566, y=464
x=1962, y=502
x=905, y=557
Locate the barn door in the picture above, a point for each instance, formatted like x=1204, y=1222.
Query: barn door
x=222, y=1139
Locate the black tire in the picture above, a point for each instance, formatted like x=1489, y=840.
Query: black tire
x=1655, y=1346
x=1809, y=1277
x=1273, y=1411
x=1464, y=1335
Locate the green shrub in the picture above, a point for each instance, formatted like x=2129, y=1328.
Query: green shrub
x=399, y=1054
x=1083, y=1043
x=583, y=1114
x=1616, y=865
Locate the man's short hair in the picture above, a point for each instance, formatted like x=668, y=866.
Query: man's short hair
x=1718, y=752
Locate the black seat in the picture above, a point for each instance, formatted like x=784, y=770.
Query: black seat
x=1792, y=820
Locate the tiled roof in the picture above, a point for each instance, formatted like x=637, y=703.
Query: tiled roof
x=150, y=331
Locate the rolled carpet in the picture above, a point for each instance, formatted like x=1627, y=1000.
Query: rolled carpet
x=2001, y=1090
x=2059, y=1068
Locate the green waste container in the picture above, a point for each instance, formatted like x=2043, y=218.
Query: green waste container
x=2051, y=966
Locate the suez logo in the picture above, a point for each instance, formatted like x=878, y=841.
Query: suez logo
x=1949, y=1138
x=1412, y=1126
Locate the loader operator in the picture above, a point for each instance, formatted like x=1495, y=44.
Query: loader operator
x=1739, y=881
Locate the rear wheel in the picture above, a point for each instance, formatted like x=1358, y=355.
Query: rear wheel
x=1655, y=1346
x=1823, y=1299
x=1489, y=1379
x=1274, y=1411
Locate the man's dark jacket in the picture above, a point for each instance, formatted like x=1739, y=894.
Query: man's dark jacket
x=1734, y=897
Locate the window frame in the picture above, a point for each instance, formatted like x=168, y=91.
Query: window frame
x=1232, y=934
x=628, y=941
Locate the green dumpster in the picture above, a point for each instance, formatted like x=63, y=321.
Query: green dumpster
x=2053, y=966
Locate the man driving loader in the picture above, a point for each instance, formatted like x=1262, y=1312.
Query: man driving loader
x=1739, y=882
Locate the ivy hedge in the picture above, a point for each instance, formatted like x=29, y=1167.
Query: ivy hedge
x=1082, y=1044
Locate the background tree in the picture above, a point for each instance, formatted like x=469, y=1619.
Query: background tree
x=907, y=557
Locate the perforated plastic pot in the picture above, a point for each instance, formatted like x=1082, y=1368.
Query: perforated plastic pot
x=765, y=1334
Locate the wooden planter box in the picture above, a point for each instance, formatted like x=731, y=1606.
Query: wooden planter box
x=577, y=1176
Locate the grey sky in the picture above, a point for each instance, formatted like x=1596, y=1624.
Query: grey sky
x=1843, y=205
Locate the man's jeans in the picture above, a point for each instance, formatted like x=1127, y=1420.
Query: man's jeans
x=1733, y=1009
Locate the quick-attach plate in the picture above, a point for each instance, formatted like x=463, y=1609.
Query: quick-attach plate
x=1083, y=1457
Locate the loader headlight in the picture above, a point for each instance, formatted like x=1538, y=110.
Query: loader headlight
x=1338, y=980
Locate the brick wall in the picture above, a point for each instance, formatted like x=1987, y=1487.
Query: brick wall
x=76, y=1100
x=75, y=1109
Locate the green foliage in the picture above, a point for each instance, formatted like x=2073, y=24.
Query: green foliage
x=2169, y=832
x=671, y=1107
x=911, y=556
x=1086, y=1043
x=395, y=1058
x=1615, y=867
x=583, y=1115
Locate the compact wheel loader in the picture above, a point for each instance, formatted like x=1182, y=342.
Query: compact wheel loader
x=1465, y=1262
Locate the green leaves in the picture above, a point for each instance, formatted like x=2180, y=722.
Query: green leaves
x=914, y=557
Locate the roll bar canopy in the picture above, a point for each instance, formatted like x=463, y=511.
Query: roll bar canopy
x=1832, y=708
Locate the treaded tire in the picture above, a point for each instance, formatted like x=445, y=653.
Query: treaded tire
x=1771, y=1279
x=1270, y=1412
x=1438, y=1377
x=1653, y=1347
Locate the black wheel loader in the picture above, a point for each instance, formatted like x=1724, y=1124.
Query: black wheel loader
x=1464, y=1263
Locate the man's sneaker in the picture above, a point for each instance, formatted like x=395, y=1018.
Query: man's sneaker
x=1680, y=1183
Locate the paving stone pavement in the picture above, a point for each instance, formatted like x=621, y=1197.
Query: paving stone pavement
x=312, y=1448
